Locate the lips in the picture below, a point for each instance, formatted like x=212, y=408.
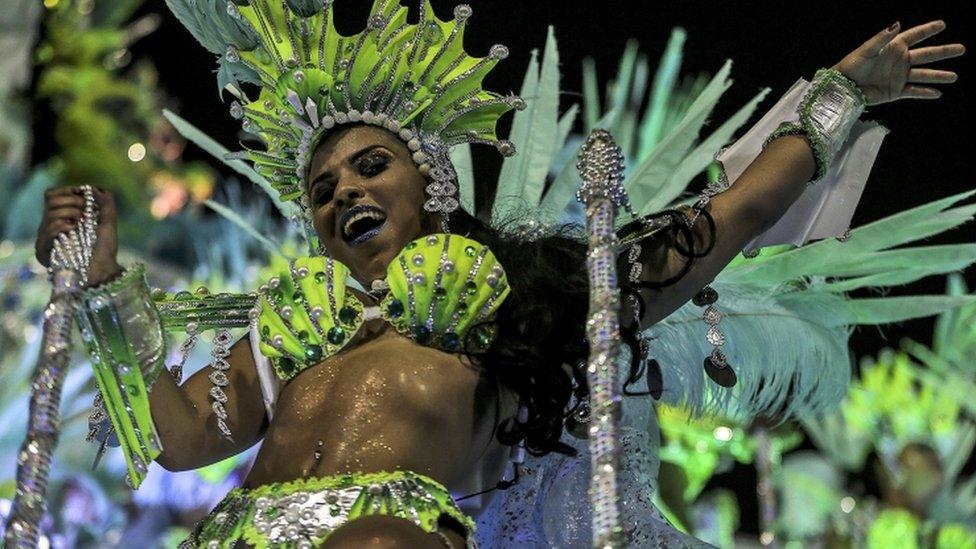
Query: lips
x=361, y=223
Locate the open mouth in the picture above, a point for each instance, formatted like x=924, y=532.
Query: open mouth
x=361, y=223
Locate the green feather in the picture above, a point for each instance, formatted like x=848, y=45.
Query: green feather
x=895, y=267
x=218, y=151
x=461, y=158
x=591, y=95
x=232, y=216
x=897, y=309
x=564, y=186
x=665, y=79
x=652, y=174
x=826, y=255
x=618, y=95
x=534, y=132
x=702, y=157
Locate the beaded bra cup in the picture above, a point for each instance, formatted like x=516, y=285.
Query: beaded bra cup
x=444, y=291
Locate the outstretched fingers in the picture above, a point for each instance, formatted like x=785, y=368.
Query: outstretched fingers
x=920, y=92
x=922, y=32
x=931, y=76
x=933, y=54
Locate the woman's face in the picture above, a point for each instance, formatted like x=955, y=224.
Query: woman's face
x=367, y=198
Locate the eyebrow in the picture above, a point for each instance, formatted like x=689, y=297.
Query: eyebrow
x=350, y=159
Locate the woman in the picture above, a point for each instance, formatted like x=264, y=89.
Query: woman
x=376, y=415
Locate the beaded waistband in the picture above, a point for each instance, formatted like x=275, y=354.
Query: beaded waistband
x=304, y=512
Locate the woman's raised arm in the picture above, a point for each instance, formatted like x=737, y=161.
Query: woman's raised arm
x=884, y=69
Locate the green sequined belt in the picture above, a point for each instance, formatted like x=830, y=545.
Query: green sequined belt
x=303, y=513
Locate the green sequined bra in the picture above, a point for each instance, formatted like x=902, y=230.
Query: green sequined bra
x=444, y=291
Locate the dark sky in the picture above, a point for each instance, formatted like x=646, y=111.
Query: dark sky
x=927, y=155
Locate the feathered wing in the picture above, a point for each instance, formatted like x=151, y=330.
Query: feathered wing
x=787, y=318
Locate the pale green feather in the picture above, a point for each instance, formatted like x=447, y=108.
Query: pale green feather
x=271, y=246
x=218, y=151
x=534, y=132
x=461, y=158
x=566, y=123
x=591, y=95
x=895, y=267
x=665, y=79
x=564, y=186
x=652, y=174
x=703, y=156
x=883, y=310
x=821, y=258
x=619, y=90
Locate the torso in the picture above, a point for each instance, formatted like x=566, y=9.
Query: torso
x=387, y=403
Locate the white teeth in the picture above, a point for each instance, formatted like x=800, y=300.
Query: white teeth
x=368, y=214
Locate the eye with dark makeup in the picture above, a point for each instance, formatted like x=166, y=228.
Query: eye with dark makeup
x=368, y=165
x=322, y=191
x=373, y=164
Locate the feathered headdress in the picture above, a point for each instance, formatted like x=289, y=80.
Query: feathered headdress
x=415, y=80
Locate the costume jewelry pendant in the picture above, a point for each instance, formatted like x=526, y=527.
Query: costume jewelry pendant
x=716, y=364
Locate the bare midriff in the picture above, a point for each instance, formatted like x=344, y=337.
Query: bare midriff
x=385, y=403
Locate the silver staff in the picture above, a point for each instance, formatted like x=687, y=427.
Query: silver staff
x=69, y=270
x=601, y=167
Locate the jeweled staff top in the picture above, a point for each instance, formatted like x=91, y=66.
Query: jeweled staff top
x=601, y=167
x=415, y=80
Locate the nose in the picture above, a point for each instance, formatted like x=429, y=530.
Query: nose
x=348, y=193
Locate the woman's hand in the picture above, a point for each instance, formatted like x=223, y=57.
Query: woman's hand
x=886, y=67
x=63, y=209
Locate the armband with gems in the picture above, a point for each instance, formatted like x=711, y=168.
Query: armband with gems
x=123, y=334
x=828, y=111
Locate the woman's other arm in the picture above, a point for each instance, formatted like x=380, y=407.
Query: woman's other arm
x=884, y=68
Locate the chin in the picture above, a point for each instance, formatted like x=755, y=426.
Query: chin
x=370, y=259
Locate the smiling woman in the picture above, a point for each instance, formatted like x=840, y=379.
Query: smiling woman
x=377, y=408
x=367, y=198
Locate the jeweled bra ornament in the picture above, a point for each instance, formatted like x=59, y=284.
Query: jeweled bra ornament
x=415, y=80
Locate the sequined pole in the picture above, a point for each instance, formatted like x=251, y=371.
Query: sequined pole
x=69, y=265
x=601, y=168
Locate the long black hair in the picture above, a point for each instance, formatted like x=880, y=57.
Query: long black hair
x=540, y=347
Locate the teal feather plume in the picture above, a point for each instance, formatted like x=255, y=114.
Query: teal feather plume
x=288, y=209
x=535, y=132
x=790, y=307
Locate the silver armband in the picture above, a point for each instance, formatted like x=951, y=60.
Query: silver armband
x=828, y=111
x=120, y=319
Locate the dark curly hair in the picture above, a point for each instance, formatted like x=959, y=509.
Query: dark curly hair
x=540, y=348
x=540, y=328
